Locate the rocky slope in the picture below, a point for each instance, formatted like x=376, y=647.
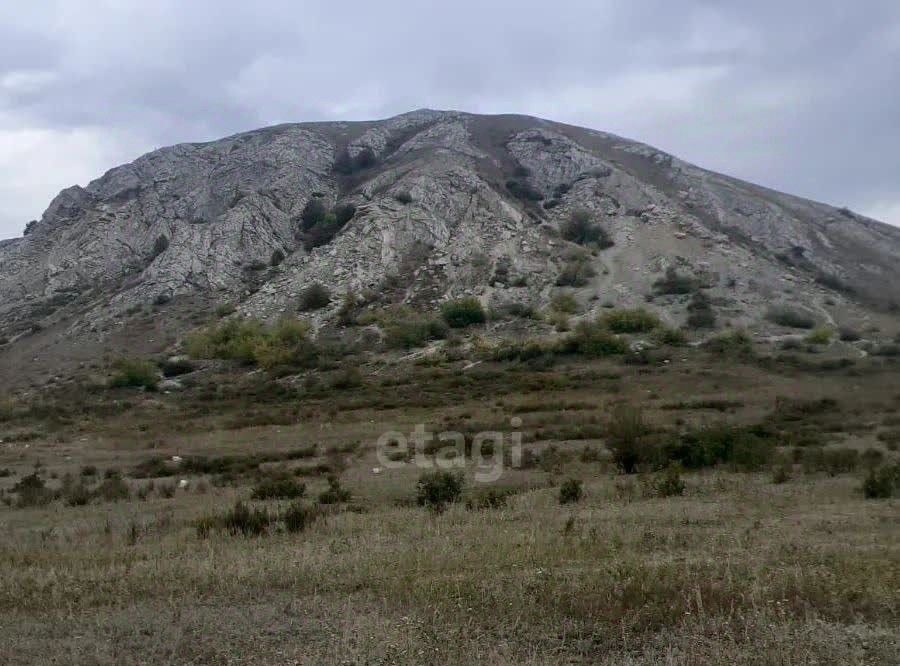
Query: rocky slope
x=446, y=203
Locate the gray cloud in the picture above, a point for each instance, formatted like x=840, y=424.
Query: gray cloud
x=800, y=96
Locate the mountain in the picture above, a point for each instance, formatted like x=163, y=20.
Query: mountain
x=420, y=208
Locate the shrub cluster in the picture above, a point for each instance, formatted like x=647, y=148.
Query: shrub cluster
x=135, y=373
x=250, y=342
x=582, y=229
x=318, y=225
x=630, y=321
x=463, y=312
x=577, y=272
x=673, y=283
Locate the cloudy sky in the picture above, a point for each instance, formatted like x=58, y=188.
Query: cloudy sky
x=800, y=96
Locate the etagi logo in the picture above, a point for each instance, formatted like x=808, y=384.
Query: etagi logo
x=489, y=452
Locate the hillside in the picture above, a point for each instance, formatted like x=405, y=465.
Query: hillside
x=417, y=209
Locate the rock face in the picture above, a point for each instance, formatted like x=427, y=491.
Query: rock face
x=446, y=203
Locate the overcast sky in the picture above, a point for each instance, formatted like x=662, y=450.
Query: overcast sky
x=800, y=96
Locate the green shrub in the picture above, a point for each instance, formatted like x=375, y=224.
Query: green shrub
x=571, y=491
x=719, y=444
x=630, y=321
x=241, y=519
x=669, y=483
x=278, y=489
x=134, y=373
x=872, y=458
x=522, y=189
x=673, y=283
x=32, y=491
x=882, y=483
x=789, y=317
x=409, y=331
x=594, y=340
x=580, y=228
x=463, y=312
x=624, y=439
x=576, y=273
x=736, y=343
x=700, y=312
x=404, y=197
x=492, y=498
x=250, y=342
x=313, y=213
x=335, y=494
x=820, y=336
x=113, y=489
x=665, y=335
x=315, y=297
x=439, y=488
x=840, y=460
x=298, y=516
x=564, y=303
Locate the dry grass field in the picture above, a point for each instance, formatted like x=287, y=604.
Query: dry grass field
x=107, y=559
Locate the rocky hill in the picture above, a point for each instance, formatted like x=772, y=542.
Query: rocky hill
x=419, y=208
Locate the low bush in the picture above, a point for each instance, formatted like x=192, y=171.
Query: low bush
x=576, y=273
x=241, y=519
x=882, y=483
x=789, y=317
x=669, y=483
x=624, y=439
x=737, y=343
x=315, y=297
x=564, y=303
x=278, y=489
x=112, y=489
x=522, y=189
x=492, y=498
x=32, y=491
x=571, y=491
x=335, y=494
x=134, y=373
x=700, y=312
x=630, y=321
x=719, y=444
x=594, y=340
x=673, y=283
x=463, y=312
x=250, y=342
x=665, y=335
x=298, y=516
x=404, y=197
x=437, y=489
x=409, y=331
x=820, y=336
x=582, y=229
